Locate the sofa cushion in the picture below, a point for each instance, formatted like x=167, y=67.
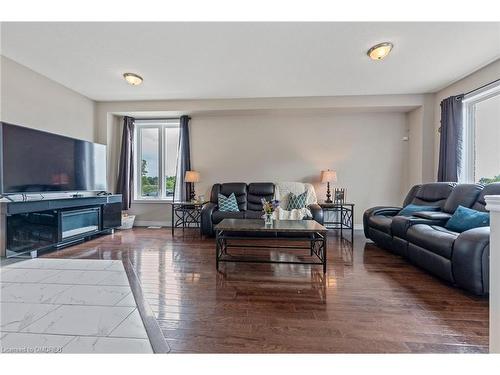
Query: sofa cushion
x=436, y=239
x=413, y=208
x=465, y=218
x=250, y=214
x=228, y=204
x=218, y=216
x=257, y=191
x=381, y=222
x=462, y=195
x=238, y=188
x=490, y=189
x=433, y=194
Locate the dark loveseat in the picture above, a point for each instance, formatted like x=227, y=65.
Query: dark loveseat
x=249, y=203
x=459, y=258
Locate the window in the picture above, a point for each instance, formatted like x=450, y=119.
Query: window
x=482, y=135
x=157, y=142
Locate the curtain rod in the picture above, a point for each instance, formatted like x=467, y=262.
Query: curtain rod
x=483, y=86
x=158, y=118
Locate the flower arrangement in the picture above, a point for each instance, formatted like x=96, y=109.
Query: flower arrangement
x=269, y=206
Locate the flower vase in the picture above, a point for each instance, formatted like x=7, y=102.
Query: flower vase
x=268, y=219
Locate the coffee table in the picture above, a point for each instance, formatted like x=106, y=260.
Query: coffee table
x=310, y=231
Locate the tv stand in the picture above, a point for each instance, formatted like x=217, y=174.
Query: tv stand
x=28, y=227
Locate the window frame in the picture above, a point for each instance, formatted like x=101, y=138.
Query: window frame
x=469, y=102
x=161, y=125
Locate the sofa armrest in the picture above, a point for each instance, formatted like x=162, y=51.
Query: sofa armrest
x=433, y=215
x=316, y=212
x=401, y=224
x=470, y=260
x=383, y=210
x=378, y=210
x=207, y=226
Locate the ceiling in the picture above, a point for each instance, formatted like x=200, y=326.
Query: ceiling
x=250, y=60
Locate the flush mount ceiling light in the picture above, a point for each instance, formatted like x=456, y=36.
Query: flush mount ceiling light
x=380, y=51
x=133, y=79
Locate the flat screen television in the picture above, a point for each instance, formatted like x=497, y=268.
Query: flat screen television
x=34, y=161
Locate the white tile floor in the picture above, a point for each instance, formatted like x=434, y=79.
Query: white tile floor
x=69, y=306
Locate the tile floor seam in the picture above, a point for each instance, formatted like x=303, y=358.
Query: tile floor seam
x=48, y=312
x=127, y=296
x=108, y=335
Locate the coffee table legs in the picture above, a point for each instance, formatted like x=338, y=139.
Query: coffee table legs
x=217, y=249
x=317, y=246
x=220, y=247
x=324, y=253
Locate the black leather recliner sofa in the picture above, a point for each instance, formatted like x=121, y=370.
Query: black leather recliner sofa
x=249, y=203
x=459, y=258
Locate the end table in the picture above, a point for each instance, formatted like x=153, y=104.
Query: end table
x=344, y=221
x=186, y=214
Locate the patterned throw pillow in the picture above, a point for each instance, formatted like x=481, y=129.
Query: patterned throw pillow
x=297, y=201
x=228, y=204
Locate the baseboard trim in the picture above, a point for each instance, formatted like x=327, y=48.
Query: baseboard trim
x=146, y=223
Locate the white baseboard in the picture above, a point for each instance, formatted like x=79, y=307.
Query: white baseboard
x=357, y=227
x=146, y=223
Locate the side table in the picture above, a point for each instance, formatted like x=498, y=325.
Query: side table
x=186, y=214
x=344, y=217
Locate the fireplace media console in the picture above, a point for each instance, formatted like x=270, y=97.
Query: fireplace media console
x=29, y=226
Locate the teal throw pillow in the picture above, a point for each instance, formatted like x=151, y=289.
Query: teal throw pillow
x=466, y=218
x=228, y=204
x=296, y=201
x=412, y=208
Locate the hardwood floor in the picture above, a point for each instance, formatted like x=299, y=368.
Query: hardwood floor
x=370, y=301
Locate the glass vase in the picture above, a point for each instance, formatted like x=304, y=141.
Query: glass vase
x=268, y=219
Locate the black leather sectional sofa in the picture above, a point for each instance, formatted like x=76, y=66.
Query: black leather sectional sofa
x=459, y=258
x=249, y=203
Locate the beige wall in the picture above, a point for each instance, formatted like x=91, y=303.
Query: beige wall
x=487, y=136
x=32, y=100
x=366, y=149
x=420, y=123
x=477, y=79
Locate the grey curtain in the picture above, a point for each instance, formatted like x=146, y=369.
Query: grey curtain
x=125, y=181
x=451, y=139
x=182, y=190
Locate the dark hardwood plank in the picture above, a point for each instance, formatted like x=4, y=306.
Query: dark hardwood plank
x=370, y=301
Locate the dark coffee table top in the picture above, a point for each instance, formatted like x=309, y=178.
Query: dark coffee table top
x=257, y=225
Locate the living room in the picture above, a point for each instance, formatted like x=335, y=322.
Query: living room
x=255, y=187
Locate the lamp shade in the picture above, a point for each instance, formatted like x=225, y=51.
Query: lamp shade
x=192, y=176
x=328, y=176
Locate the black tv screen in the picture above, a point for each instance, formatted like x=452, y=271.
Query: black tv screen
x=34, y=161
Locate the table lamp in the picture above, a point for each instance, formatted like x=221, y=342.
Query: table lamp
x=190, y=178
x=328, y=176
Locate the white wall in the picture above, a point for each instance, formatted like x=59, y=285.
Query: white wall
x=477, y=79
x=32, y=100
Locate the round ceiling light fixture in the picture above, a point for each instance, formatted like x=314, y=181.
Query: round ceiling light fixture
x=133, y=78
x=380, y=51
